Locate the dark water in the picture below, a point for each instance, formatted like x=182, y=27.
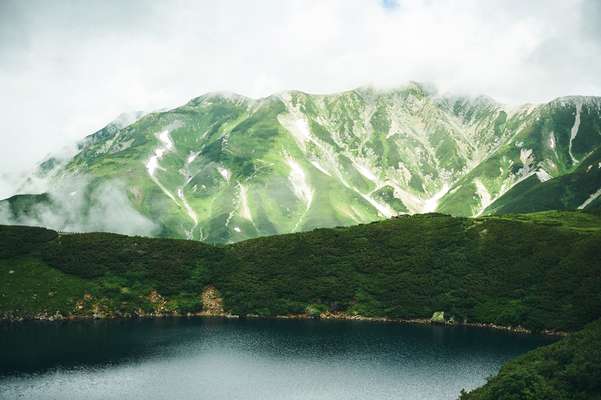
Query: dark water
x=248, y=359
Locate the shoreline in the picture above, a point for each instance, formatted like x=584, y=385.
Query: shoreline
x=423, y=321
x=325, y=317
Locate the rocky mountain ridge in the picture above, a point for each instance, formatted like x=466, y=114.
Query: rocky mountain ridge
x=224, y=168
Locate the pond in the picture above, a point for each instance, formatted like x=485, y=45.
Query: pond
x=215, y=359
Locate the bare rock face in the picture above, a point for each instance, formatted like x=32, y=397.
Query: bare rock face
x=158, y=302
x=212, y=303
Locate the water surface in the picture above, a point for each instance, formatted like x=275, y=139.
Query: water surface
x=248, y=359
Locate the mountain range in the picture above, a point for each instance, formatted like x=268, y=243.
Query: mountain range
x=223, y=167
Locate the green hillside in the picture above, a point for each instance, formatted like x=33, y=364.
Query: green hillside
x=539, y=271
x=224, y=168
x=580, y=189
x=568, y=370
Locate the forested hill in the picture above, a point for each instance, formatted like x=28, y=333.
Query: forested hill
x=541, y=271
x=567, y=370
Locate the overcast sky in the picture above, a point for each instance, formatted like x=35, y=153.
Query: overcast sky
x=69, y=67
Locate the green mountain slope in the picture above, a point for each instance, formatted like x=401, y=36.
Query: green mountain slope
x=557, y=139
x=580, y=189
x=223, y=168
x=539, y=271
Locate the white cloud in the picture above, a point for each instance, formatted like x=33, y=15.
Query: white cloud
x=67, y=68
x=78, y=206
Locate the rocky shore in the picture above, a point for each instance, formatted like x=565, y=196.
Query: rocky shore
x=89, y=308
x=419, y=321
x=7, y=318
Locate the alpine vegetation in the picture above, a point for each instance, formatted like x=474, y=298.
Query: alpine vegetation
x=224, y=168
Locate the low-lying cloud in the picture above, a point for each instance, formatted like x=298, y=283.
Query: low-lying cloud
x=75, y=205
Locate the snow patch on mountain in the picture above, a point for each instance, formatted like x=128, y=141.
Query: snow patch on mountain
x=431, y=204
x=317, y=165
x=225, y=173
x=165, y=146
x=384, y=209
x=483, y=194
x=295, y=123
x=189, y=210
x=542, y=175
x=244, y=208
x=166, y=140
x=590, y=199
x=300, y=185
x=152, y=165
x=191, y=158
x=552, y=142
x=527, y=158
x=574, y=131
x=364, y=170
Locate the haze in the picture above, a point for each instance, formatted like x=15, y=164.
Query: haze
x=69, y=67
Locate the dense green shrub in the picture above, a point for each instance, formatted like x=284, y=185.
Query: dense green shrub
x=540, y=271
x=503, y=271
x=567, y=370
x=169, y=266
x=21, y=240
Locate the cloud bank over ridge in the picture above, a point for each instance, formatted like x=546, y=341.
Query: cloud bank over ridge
x=77, y=206
x=67, y=68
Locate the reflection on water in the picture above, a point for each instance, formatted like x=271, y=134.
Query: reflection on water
x=248, y=359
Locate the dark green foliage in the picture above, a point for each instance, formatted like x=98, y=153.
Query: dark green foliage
x=169, y=266
x=540, y=271
x=28, y=287
x=491, y=270
x=567, y=370
x=19, y=240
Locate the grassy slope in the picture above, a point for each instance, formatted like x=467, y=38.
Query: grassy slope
x=543, y=143
x=568, y=369
x=562, y=193
x=541, y=271
x=363, y=154
x=30, y=284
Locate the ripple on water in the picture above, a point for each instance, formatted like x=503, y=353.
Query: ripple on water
x=253, y=359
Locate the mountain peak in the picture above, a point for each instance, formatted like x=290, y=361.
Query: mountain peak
x=225, y=167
